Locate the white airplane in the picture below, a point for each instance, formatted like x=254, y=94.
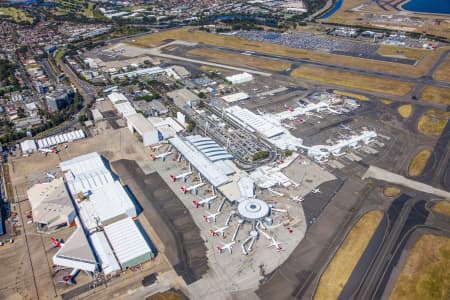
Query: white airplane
x=184, y=189
x=346, y=127
x=297, y=199
x=211, y=217
x=180, y=176
x=204, y=201
x=57, y=243
x=226, y=247
x=153, y=148
x=49, y=175
x=315, y=191
x=46, y=150
x=276, y=244
x=70, y=279
x=218, y=231
x=162, y=155
x=337, y=154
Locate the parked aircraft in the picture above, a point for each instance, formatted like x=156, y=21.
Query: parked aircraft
x=212, y=217
x=226, y=247
x=162, y=155
x=218, y=231
x=204, y=201
x=185, y=189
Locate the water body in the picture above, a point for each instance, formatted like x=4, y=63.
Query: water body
x=428, y=6
x=333, y=10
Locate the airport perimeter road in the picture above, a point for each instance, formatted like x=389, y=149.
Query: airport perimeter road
x=419, y=80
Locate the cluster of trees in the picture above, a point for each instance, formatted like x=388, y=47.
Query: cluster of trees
x=148, y=98
x=260, y=155
x=7, y=78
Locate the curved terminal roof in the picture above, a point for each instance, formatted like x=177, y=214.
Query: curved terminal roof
x=209, y=148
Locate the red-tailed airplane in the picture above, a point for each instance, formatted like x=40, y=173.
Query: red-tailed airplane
x=70, y=279
x=180, y=176
x=226, y=247
x=211, y=217
x=218, y=231
x=275, y=244
x=185, y=189
x=57, y=243
x=197, y=203
x=162, y=156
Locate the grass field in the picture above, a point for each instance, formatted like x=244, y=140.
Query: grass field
x=239, y=60
x=357, y=81
x=346, y=258
x=436, y=94
x=442, y=207
x=418, y=163
x=433, y=122
x=404, y=52
x=17, y=15
x=386, y=101
x=426, y=273
x=443, y=72
x=391, y=191
x=191, y=35
x=405, y=110
x=352, y=95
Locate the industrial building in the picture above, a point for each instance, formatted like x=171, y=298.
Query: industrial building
x=235, y=97
x=116, y=97
x=107, y=239
x=51, y=205
x=149, y=135
x=184, y=98
x=60, y=139
x=28, y=146
x=124, y=109
x=142, y=72
x=239, y=78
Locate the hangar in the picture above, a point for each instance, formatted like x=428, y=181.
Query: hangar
x=149, y=135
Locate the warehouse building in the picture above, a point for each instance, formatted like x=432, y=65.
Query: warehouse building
x=51, y=205
x=107, y=239
x=235, y=97
x=240, y=78
x=116, y=97
x=148, y=134
x=184, y=98
x=60, y=139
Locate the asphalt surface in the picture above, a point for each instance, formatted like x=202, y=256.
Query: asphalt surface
x=294, y=277
x=375, y=247
x=438, y=162
x=183, y=245
x=371, y=285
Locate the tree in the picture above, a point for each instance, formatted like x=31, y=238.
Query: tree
x=260, y=155
x=201, y=95
x=82, y=119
